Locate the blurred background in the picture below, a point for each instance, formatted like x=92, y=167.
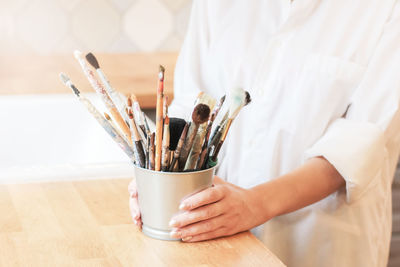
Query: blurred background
x=46, y=134
x=106, y=26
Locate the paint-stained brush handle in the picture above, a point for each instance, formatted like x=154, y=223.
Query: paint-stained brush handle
x=179, y=147
x=159, y=119
x=152, y=152
x=137, y=142
x=165, y=148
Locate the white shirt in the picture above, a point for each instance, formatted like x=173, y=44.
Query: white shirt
x=304, y=64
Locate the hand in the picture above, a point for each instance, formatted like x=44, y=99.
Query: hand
x=134, y=204
x=221, y=210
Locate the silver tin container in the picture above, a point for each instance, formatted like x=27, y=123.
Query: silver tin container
x=160, y=194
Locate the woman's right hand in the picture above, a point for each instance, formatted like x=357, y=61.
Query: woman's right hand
x=134, y=204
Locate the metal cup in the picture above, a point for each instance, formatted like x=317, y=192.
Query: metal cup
x=160, y=194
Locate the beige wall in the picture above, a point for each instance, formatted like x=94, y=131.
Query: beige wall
x=109, y=26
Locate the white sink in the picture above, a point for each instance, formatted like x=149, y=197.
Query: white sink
x=53, y=137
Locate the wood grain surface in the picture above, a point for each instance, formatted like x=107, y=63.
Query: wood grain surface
x=39, y=74
x=87, y=223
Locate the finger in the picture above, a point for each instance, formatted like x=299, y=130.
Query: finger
x=138, y=223
x=199, y=214
x=218, y=180
x=132, y=189
x=134, y=208
x=220, y=232
x=199, y=227
x=207, y=196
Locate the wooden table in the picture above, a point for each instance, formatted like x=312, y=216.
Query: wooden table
x=39, y=74
x=87, y=223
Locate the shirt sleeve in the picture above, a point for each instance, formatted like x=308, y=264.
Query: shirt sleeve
x=188, y=71
x=359, y=144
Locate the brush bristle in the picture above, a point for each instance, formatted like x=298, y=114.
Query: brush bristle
x=237, y=100
x=64, y=78
x=161, y=72
x=176, y=126
x=248, y=98
x=201, y=113
x=222, y=100
x=92, y=61
x=77, y=54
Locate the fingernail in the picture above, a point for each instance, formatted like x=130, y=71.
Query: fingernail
x=175, y=234
x=182, y=206
x=186, y=238
x=172, y=223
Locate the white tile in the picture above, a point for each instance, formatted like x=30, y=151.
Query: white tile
x=96, y=24
x=175, y=5
x=11, y=6
x=122, y=45
x=41, y=24
x=68, y=45
x=122, y=5
x=173, y=43
x=147, y=23
x=68, y=4
x=6, y=26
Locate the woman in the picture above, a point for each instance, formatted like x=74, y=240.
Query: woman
x=311, y=159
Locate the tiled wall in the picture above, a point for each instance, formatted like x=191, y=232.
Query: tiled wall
x=115, y=26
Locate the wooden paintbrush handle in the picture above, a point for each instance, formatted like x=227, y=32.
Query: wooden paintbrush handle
x=188, y=144
x=108, y=128
x=178, y=149
x=152, y=152
x=121, y=123
x=165, y=148
x=139, y=154
x=159, y=131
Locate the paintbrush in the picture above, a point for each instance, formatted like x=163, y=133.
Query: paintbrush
x=237, y=100
x=165, y=148
x=148, y=136
x=114, y=95
x=137, y=141
x=178, y=148
x=216, y=136
x=204, y=149
x=98, y=87
x=130, y=105
x=217, y=131
x=195, y=152
x=148, y=152
x=109, y=119
x=200, y=115
x=159, y=118
x=165, y=106
x=146, y=124
x=100, y=119
x=139, y=118
x=152, y=152
x=176, y=126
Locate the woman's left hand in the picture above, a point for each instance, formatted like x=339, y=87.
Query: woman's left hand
x=221, y=210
